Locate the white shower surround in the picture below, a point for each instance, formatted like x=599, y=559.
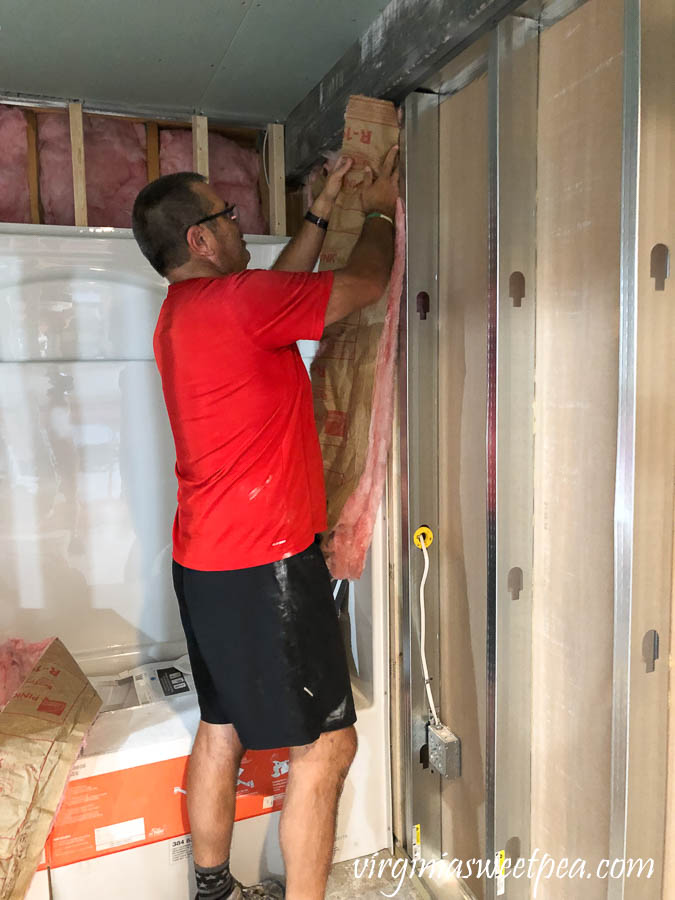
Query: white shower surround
x=88, y=491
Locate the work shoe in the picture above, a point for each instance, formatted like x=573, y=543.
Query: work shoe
x=269, y=889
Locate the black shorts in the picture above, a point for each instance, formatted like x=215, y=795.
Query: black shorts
x=266, y=650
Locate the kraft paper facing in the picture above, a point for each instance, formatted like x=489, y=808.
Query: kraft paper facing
x=344, y=368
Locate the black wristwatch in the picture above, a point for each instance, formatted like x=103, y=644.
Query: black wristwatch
x=317, y=220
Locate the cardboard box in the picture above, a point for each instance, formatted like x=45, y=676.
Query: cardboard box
x=128, y=791
x=39, y=886
x=163, y=870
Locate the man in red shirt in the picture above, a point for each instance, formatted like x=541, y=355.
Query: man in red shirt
x=252, y=586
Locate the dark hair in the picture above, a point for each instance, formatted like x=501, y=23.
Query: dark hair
x=162, y=212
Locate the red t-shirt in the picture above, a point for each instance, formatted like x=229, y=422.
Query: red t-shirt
x=248, y=462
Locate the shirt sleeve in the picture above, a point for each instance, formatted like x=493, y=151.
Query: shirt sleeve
x=276, y=309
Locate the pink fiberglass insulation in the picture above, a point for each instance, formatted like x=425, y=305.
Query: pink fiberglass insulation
x=14, y=195
x=116, y=169
x=348, y=543
x=233, y=172
x=17, y=658
x=56, y=173
x=115, y=166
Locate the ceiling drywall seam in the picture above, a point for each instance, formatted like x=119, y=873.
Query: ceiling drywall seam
x=217, y=68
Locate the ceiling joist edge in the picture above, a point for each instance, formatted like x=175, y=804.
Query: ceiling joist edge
x=168, y=118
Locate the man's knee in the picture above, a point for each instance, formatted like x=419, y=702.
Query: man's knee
x=348, y=746
x=341, y=746
x=220, y=743
x=331, y=754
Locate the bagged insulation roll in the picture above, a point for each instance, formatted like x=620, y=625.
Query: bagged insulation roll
x=353, y=372
x=350, y=539
x=47, y=706
x=17, y=658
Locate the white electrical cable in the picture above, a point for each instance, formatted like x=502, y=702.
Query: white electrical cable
x=432, y=706
x=264, y=159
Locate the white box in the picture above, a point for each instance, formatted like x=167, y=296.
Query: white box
x=124, y=821
x=39, y=887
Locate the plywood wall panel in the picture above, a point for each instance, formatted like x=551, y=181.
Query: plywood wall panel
x=463, y=273
x=578, y=231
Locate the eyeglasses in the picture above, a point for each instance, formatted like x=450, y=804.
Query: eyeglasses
x=230, y=212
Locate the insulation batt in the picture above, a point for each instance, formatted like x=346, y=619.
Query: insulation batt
x=348, y=543
x=115, y=166
x=14, y=196
x=116, y=169
x=233, y=172
x=17, y=658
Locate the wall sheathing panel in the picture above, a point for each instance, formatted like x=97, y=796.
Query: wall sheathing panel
x=578, y=254
x=600, y=196
x=463, y=275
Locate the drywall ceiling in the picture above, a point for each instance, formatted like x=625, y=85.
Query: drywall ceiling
x=245, y=61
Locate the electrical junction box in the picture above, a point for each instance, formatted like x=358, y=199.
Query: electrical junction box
x=445, y=751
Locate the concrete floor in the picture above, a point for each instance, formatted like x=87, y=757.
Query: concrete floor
x=384, y=875
x=361, y=878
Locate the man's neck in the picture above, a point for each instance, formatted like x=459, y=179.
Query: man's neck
x=195, y=270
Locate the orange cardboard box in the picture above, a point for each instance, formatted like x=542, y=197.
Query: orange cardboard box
x=128, y=788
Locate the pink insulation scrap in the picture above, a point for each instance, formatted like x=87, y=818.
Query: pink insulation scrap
x=115, y=166
x=17, y=658
x=233, y=172
x=348, y=543
x=14, y=195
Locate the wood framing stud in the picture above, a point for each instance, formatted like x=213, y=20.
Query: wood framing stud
x=77, y=153
x=33, y=167
x=152, y=149
x=200, y=145
x=276, y=171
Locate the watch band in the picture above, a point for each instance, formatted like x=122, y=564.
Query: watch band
x=317, y=220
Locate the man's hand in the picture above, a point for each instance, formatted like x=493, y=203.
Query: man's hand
x=381, y=193
x=364, y=279
x=301, y=254
x=324, y=203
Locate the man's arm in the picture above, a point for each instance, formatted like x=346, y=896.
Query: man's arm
x=302, y=251
x=364, y=279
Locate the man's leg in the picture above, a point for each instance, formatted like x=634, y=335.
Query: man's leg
x=211, y=786
x=307, y=827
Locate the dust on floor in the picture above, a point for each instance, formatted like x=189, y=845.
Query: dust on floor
x=371, y=878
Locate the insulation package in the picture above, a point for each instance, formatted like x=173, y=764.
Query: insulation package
x=49, y=705
x=353, y=372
